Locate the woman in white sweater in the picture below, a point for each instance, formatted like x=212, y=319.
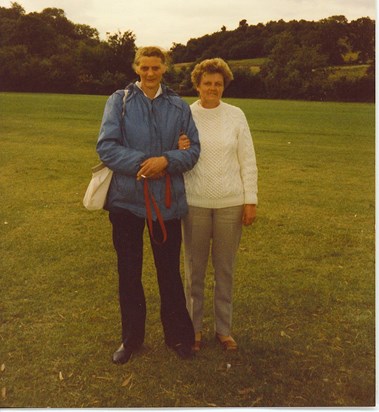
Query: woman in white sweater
x=222, y=196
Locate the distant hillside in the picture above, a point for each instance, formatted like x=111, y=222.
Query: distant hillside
x=334, y=37
x=297, y=78
x=349, y=71
x=252, y=64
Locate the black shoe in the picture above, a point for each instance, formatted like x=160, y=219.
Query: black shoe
x=122, y=354
x=183, y=350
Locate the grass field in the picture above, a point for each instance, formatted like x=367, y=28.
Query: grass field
x=305, y=283
x=351, y=72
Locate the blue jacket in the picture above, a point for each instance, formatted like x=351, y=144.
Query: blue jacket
x=149, y=128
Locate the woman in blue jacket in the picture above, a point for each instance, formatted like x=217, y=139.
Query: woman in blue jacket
x=140, y=145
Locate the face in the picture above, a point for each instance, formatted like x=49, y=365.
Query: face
x=150, y=71
x=210, y=89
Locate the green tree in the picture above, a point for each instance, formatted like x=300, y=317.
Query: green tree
x=292, y=70
x=178, y=52
x=12, y=71
x=87, y=33
x=58, y=21
x=362, y=38
x=33, y=32
x=16, y=9
x=332, y=33
x=122, y=51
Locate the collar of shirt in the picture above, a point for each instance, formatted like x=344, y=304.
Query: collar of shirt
x=159, y=91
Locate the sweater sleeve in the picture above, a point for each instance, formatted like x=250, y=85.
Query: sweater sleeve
x=248, y=165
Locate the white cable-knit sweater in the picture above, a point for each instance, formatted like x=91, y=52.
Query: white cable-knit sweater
x=226, y=173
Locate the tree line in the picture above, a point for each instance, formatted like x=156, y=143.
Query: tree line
x=300, y=58
x=46, y=52
x=333, y=37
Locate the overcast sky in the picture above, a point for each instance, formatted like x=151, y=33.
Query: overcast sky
x=163, y=22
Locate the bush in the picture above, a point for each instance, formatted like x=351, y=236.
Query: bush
x=352, y=90
x=246, y=84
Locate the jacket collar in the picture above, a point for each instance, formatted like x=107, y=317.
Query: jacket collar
x=159, y=92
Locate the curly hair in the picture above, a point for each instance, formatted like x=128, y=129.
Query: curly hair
x=150, y=51
x=216, y=65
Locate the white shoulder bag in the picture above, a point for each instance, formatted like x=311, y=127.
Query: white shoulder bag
x=96, y=193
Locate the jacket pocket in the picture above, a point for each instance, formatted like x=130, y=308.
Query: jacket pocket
x=128, y=189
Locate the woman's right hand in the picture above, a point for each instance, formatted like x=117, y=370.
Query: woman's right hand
x=184, y=142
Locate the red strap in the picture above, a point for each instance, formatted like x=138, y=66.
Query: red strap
x=156, y=208
x=168, y=191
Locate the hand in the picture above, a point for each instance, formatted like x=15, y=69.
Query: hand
x=158, y=176
x=184, y=142
x=152, y=168
x=249, y=214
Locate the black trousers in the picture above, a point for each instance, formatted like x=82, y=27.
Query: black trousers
x=128, y=232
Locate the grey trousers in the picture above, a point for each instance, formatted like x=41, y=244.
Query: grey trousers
x=217, y=231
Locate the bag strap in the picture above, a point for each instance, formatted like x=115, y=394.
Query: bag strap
x=126, y=91
x=149, y=196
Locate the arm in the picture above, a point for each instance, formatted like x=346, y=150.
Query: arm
x=180, y=161
x=249, y=173
x=173, y=161
x=111, y=145
x=154, y=167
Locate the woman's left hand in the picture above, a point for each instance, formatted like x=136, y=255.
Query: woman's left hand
x=249, y=214
x=184, y=142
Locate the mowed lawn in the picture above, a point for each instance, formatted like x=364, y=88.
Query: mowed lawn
x=304, y=295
